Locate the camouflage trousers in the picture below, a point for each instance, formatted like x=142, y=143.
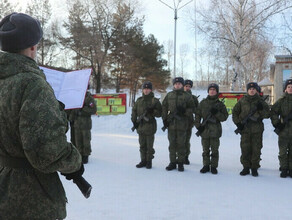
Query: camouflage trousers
x=177, y=150
x=188, y=143
x=146, y=147
x=82, y=141
x=251, y=145
x=285, y=152
x=210, y=145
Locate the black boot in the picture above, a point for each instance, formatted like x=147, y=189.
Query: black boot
x=180, y=167
x=290, y=173
x=254, y=172
x=171, y=166
x=284, y=173
x=205, y=169
x=141, y=164
x=187, y=162
x=84, y=159
x=245, y=171
x=214, y=170
x=149, y=164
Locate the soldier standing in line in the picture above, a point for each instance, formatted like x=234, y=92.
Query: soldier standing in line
x=177, y=108
x=281, y=117
x=213, y=112
x=33, y=129
x=254, y=109
x=82, y=125
x=145, y=110
x=187, y=88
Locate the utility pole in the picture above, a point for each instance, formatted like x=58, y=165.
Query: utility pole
x=175, y=8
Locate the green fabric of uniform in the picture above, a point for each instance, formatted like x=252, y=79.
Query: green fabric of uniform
x=243, y=107
x=190, y=126
x=210, y=145
x=279, y=111
x=146, y=147
x=82, y=141
x=251, y=145
x=171, y=101
x=82, y=123
x=177, y=125
x=213, y=130
x=177, y=150
x=150, y=127
x=285, y=155
x=32, y=127
x=251, y=136
x=146, y=129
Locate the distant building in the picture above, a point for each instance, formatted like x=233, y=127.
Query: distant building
x=279, y=73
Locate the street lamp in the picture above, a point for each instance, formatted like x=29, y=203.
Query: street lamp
x=175, y=8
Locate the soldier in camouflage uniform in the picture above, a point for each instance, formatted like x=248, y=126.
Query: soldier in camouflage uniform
x=251, y=141
x=32, y=129
x=187, y=88
x=145, y=110
x=281, y=117
x=211, y=131
x=177, y=108
x=82, y=125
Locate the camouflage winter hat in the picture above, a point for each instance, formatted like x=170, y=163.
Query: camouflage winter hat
x=178, y=79
x=252, y=85
x=213, y=85
x=288, y=82
x=147, y=85
x=19, y=31
x=189, y=82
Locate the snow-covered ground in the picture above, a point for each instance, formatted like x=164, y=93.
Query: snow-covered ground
x=123, y=192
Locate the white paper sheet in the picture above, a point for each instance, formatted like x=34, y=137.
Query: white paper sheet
x=69, y=87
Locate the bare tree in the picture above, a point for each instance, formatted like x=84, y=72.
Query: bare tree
x=6, y=8
x=91, y=26
x=287, y=26
x=237, y=25
x=42, y=10
x=184, y=50
x=169, y=52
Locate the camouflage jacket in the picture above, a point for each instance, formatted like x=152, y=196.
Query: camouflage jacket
x=213, y=127
x=280, y=110
x=82, y=117
x=191, y=121
x=244, y=106
x=146, y=127
x=170, y=103
x=32, y=128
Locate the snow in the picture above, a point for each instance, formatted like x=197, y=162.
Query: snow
x=123, y=192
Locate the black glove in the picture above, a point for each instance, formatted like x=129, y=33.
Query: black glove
x=135, y=124
x=240, y=126
x=75, y=175
x=150, y=110
x=213, y=111
x=200, y=129
x=180, y=110
x=165, y=123
x=279, y=126
x=260, y=106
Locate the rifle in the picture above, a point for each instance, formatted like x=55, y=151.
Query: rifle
x=248, y=117
x=171, y=117
x=83, y=185
x=142, y=117
x=209, y=118
x=285, y=121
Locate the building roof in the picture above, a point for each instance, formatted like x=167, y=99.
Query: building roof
x=265, y=82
